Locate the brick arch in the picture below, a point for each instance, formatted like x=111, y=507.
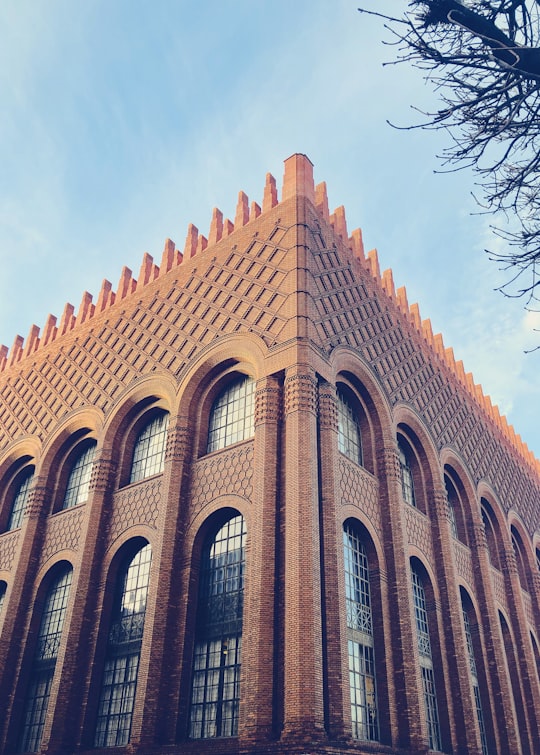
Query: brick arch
x=20, y=453
x=497, y=517
x=453, y=465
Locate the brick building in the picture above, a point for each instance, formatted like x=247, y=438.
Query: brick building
x=249, y=503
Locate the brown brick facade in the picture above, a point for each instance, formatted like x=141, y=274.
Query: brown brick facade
x=285, y=296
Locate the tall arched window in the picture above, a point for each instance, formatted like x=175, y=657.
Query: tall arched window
x=78, y=483
x=232, y=415
x=513, y=671
x=491, y=539
x=473, y=668
x=119, y=683
x=349, y=437
x=426, y=660
x=149, y=449
x=215, y=695
x=20, y=498
x=407, y=482
x=453, y=503
x=359, y=636
x=44, y=662
x=517, y=547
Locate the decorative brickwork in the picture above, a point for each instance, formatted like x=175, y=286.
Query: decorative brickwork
x=326, y=651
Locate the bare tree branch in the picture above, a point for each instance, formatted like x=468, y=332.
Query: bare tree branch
x=482, y=57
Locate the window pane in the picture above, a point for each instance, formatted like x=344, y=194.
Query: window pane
x=215, y=695
x=407, y=483
x=119, y=684
x=149, y=451
x=19, y=502
x=232, y=415
x=79, y=479
x=44, y=662
x=349, y=438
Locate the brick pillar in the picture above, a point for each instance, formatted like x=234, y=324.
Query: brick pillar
x=501, y=708
x=336, y=677
x=257, y=715
x=303, y=713
x=18, y=613
x=161, y=653
x=530, y=693
x=406, y=703
x=463, y=731
x=67, y=707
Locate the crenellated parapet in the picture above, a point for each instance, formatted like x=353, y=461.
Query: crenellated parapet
x=297, y=181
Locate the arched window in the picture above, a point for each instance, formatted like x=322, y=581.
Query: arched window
x=79, y=478
x=426, y=660
x=520, y=560
x=215, y=695
x=349, y=437
x=538, y=559
x=44, y=662
x=473, y=668
x=491, y=538
x=232, y=415
x=119, y=683
x=513, y=671
x=453, y=505
x=407, y=482
x=359, y=637
x=149, y=449
x=20, y=498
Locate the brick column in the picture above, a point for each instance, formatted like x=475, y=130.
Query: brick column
x=303, y=714
x=336, y=671
x=161, y=653
x=464, y=731
x=259, y=661
x=76, y=660
x=526, y=666
x=501, y=709
x=406, y=703
x=18, y=613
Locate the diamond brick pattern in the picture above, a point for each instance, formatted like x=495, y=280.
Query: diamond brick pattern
x=8, y=545
x=498, y=587
x=227, y=472
x=137, y=504
x=359, y=488
x=418, y=531
x=63, y=531
x=463, y=562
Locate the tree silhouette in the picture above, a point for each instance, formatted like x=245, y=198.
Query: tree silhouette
x=483, y=59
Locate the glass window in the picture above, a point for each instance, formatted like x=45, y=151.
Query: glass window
x=119, y=684
x=44, y=662
x=359, y=637
x=349, y=438
x=78, y=483
x=407, y=482
x=19, y=500
x=149, y=451
x=3, y=588
x=426, y=661
x=474, y=680
x=232, y=415
x=215, y=694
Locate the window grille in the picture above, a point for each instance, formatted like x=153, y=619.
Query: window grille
x=232, y=415
x=474, y=680
x=149, y=450
x=362, y=686
x=19, y=502
x=349, y=437
x=215, y=695
x=426, y=661
x=44, y=662
x=78, y=484
x=117, y=699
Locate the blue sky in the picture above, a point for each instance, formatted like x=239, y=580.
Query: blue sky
x=122, y=122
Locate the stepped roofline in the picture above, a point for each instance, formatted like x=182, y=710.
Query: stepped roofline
x=297, y=181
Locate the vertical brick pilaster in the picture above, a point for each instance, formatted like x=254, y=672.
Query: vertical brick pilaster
x=73, y=667
x=406, y=703
x=338, y=701
x=303, y=656
x=259, y=654
x=18, y=613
